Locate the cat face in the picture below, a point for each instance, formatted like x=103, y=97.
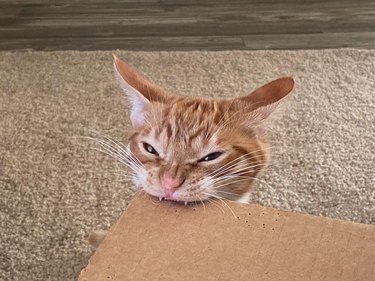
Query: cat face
x=191, y=149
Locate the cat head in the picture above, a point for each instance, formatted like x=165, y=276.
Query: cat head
x=189, y=148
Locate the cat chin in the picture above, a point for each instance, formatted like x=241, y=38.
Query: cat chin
x=177, y=199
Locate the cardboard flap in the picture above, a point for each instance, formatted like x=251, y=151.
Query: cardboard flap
x=169, y=241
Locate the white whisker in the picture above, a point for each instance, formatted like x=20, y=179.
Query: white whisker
x=119, y=153
x=216, y=204
x=233, y=162
x=219, y=198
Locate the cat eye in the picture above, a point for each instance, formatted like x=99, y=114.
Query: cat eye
x=150, y=149
x=210, y=157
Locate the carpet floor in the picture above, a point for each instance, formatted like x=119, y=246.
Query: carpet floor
x=55, y=187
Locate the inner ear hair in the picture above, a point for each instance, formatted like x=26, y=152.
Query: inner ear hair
x=150, y=91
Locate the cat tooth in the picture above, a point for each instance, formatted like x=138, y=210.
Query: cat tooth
x=186, y=203
x=160, y=198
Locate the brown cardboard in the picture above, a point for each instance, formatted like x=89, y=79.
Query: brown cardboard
x=169, y=241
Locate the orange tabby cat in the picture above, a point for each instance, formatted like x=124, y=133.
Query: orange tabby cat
x=190, y=149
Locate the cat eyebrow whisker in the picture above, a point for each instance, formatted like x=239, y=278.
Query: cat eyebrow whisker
x=232, y=116
x=218, y=125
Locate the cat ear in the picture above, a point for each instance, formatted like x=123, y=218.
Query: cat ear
x=264, y=100
x=138, y=90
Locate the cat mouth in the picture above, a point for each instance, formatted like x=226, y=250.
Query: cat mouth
x=176, y=200
x=175, y=197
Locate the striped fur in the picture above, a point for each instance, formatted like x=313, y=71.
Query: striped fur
x=183, y=130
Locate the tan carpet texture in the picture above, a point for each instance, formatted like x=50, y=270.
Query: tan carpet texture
x=55, y=187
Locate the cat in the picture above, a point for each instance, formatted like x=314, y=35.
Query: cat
x=192, y=149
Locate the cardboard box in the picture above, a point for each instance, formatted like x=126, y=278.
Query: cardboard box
x=169, y=241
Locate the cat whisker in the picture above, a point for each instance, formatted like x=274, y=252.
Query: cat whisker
x=204, y=206
x=111, y=140
x=209, y=182
x=122, y=160
x=116, y=146
x=229, y=193
x=233, y=162
x=220, y=185
x=254, y=178
x=113, y=151
x=220, y=199
x=216, y=204
x=244, y=169
x=231, y=172
x=224, y=166
x=124, y=178
x=220, y=172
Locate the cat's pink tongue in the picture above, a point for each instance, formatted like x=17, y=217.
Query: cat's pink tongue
x=169, y=185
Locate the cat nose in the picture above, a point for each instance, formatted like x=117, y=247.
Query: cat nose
x=170, y=184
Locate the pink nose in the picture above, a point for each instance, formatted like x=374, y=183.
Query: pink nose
x=170, y=184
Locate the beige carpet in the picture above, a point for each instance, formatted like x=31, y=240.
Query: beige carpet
x=54, y=188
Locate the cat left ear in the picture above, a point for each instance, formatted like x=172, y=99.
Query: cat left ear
x=139, y=104
x=140, y=92
x=130, y=77
x=266, y=99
